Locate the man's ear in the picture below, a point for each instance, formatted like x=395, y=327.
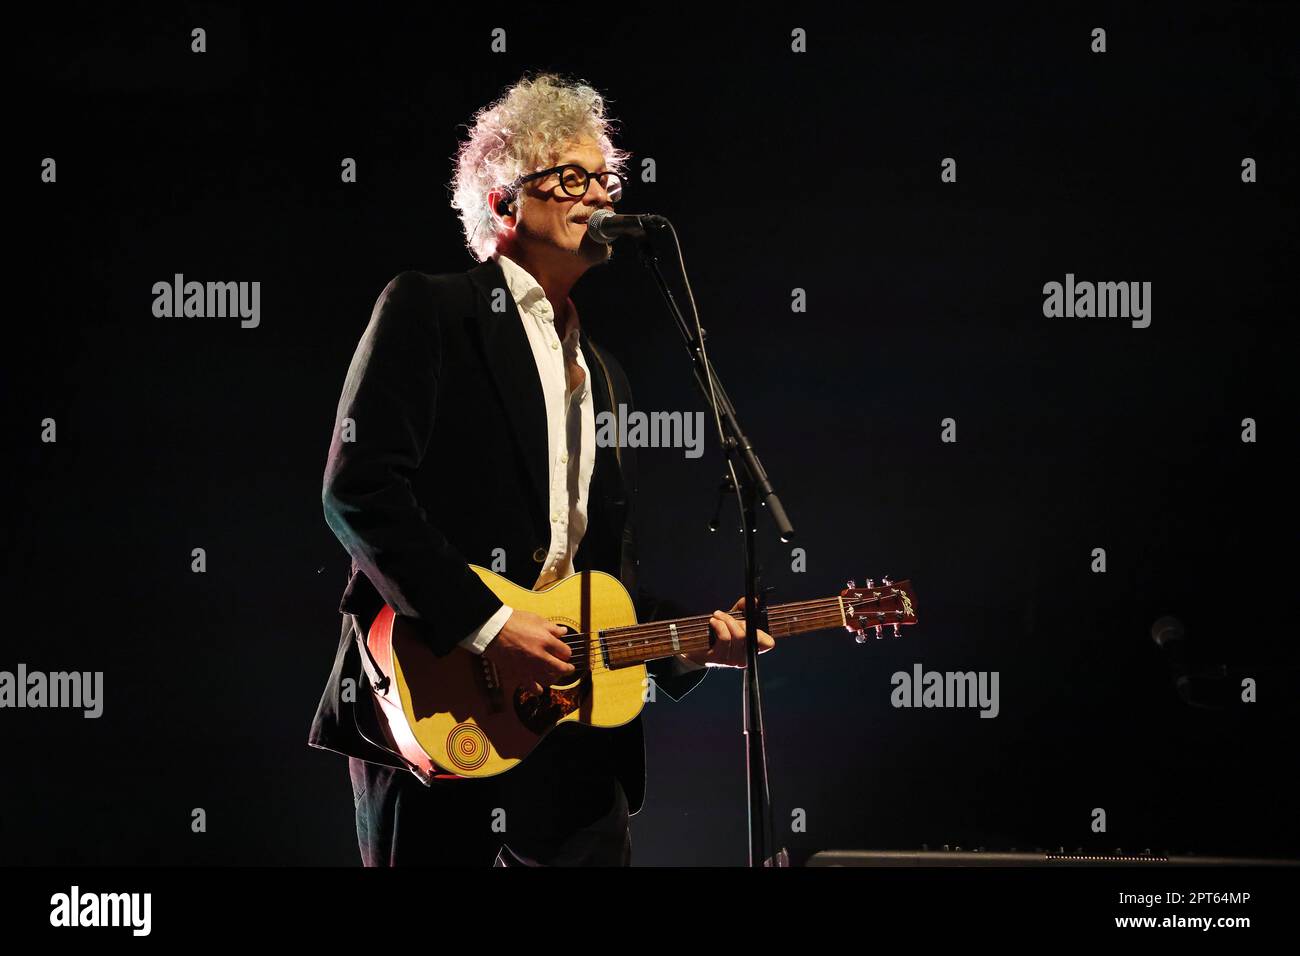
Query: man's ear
x=501, y=203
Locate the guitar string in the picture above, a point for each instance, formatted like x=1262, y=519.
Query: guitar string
x=792, y=610
x=657, y=632
x=791, y=607
x=696, y=641
x=664, y=643
x=688, y=639
x=659, y=648
x=817, y=613
x=654, y=632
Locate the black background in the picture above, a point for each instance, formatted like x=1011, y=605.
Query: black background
x=818, y=171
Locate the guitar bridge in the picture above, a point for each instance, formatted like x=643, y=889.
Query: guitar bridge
x=492, y=683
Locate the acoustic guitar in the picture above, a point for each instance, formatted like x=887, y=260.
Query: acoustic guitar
x=450, y=716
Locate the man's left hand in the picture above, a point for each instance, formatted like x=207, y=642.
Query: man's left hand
x=728, y=649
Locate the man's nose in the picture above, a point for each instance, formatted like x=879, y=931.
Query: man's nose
x=596, y=195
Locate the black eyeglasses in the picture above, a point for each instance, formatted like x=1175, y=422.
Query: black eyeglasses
x=575, y=181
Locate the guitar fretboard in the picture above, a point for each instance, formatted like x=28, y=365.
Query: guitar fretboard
x=639, y=643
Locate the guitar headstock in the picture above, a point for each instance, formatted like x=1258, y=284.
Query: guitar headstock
x=871, y=607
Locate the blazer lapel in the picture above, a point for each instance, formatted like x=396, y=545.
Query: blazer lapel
x=514, y=370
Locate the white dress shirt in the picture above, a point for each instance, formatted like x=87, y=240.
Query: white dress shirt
x=570, y=433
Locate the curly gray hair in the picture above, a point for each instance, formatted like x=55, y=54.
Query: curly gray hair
x=523, y=131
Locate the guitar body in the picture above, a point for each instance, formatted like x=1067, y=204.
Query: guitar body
x=448, y=716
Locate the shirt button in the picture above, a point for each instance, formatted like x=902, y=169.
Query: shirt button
x=555, y=345
x=565, y=458
x=539, y=555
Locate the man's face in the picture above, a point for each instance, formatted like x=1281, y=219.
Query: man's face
x=551, y=223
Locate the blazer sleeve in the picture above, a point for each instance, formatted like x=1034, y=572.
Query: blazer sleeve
x=381, y=432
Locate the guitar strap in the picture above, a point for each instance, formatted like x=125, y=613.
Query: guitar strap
x=609, y=389
x=378, y=680
x=627, y=570
x=364, y=711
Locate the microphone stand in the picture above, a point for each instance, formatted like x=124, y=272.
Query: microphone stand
x=749, y=481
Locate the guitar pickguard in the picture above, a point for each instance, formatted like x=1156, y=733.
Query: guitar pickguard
x=540, y=712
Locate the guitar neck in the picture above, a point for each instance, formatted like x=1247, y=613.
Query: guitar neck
x=639, y=643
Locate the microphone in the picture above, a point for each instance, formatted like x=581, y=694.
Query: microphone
x=605, y=226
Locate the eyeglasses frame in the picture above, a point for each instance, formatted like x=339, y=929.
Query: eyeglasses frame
x=513, y=188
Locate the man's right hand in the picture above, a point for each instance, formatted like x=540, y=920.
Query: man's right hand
x=528, y=652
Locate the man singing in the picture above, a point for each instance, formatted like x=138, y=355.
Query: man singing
x=466, y=425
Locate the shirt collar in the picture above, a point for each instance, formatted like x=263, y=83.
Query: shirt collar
x=529, y=295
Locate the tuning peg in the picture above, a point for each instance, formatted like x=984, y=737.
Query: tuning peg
x=850, y=584
x=860, y=637
x=887, y=580
x=897, y=632
x=871, y=582
x=877, y=632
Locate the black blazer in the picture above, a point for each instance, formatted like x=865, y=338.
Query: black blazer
x=448, y=462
